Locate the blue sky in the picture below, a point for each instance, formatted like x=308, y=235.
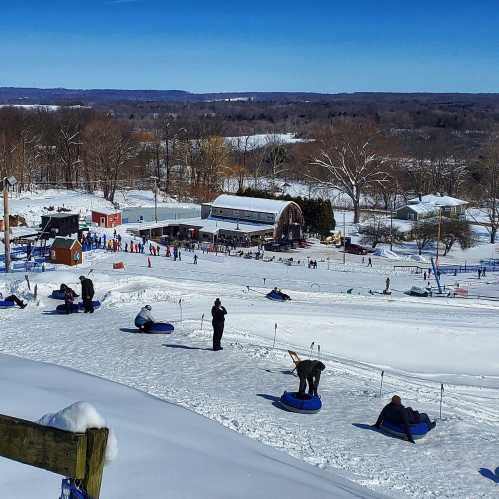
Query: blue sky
x=204, y=46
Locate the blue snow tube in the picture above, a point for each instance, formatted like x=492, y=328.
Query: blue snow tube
x=276, y=296
x=161, y=328
x=57, y=294
x=96, y=304
x=309, y=404
x=7, y=304
x=418, y=430
x=61, y=309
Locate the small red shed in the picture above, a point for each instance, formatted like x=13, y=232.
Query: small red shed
x=66, y=251
x=106, y=218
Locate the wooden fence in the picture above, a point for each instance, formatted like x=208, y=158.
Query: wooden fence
x=74, y=455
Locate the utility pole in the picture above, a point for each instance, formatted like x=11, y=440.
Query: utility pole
x=391, y=223
x=6, y=224
x=155, y=198
x=7, y=182
x=344, y=239
x=438, y=235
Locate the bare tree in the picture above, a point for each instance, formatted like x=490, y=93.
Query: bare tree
x=424, y=233
x=351, y=160
x=487, y=214
x=108, y=148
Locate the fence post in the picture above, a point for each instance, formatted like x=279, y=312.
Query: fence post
x=275, y=334
x=381, y=385
x=202, y=320
x=441, y=397
x=96, y=451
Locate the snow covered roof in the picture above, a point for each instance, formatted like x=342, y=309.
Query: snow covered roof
x=435, y=200
x=106, y=211
x=260, y=205
x=208, y=225
x=64, y=242
x=422, y=208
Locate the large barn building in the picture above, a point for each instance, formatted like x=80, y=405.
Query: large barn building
x=233, y=218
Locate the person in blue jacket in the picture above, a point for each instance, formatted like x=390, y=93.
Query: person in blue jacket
x=144, y=320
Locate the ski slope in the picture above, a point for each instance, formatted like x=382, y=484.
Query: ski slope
x=165, y=450
x=419, y=343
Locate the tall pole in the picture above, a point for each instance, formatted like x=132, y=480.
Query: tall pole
x=156, y=200
x=438, y=235
x=6, y=224
x=391, y=225
x=344, y=239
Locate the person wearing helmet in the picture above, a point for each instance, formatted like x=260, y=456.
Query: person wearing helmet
x=144, y=320
x=87, y=294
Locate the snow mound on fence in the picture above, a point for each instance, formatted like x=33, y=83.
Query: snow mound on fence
x=386, y=253
x=78, y=418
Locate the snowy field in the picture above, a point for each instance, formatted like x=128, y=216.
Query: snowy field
x=419, y=343
x=156, y=439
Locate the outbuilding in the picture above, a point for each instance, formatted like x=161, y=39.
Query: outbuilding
x=66, y=251
x=107, y=218
x=60, y=224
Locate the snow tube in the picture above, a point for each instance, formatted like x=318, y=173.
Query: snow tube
x=161, y=328
x=61, y=309
x=276, y=296
x=96, y=304
x=418, y=430
x=308, y=405
x=7, y=304
x=57, y=294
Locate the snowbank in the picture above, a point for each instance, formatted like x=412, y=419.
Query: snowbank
x=78, y=418
x=386, y=253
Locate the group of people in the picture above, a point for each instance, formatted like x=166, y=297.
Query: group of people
x=144, y=321
x=312, y=264
x=87, y=295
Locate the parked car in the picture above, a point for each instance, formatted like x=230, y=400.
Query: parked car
x=355, y=249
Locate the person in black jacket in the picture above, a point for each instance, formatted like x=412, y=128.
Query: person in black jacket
x=87, y=294
x=309, y=371
x=218, y=313
x=396, y=413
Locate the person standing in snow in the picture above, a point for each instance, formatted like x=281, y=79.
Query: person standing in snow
x=144, y=320
x=309, y=371
x=195, y=259
x=218, y=313
x=387, y=286
x=87, y=294
x=369, y=262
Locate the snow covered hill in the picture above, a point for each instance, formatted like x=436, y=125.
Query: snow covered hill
x=165, y=450
x=420, y=343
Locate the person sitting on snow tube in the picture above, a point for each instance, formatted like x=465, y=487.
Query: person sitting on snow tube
x=280, y=294
x=14, y=299
x=144, y=320
x=309, y=371
x=69, y=297
x=396, y=413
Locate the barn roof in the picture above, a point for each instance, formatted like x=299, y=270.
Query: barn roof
x=440, y=201
x=250, y=204
x=106, y=211
x=60, y=215
x=64, y=243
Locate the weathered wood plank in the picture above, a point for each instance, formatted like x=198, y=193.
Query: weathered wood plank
x=96, y=451
x=59, y=451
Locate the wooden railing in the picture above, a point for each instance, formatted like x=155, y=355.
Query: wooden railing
x=74, y=455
